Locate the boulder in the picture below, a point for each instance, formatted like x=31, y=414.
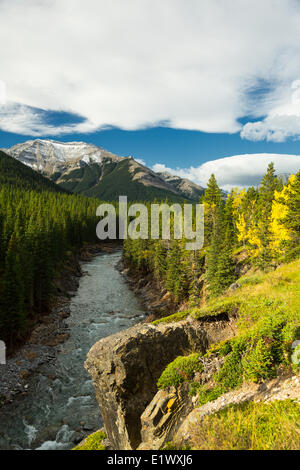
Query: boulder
x=126, y=366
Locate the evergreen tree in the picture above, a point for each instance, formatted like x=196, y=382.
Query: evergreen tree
x=214, y=251
x=211, y=200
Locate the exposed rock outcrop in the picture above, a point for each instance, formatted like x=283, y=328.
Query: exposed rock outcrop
x=126, y=366
x=163, y=416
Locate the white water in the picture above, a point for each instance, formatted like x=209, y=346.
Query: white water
x=57, y=412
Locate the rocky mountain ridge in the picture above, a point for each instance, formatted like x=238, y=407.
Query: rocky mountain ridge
x=90, y=170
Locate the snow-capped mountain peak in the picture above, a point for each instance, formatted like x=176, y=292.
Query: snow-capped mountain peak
x=50, y=156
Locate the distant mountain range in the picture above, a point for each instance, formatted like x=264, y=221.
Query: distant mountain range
x=90, y=170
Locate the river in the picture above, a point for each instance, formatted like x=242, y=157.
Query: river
x=64, y=409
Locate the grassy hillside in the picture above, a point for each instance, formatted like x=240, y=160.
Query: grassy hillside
x=253, y=426
x=267, y=306
x=15, y=173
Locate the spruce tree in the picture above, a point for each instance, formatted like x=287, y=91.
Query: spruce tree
x=292, y=219
x=214, y=251
x=211, y=200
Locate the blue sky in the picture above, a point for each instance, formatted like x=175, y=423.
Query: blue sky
x=171, y=147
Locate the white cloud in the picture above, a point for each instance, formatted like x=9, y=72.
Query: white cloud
x=141, y=62
x=236, y=171
x=22, y=119
x=2, y=93
x=283, y=121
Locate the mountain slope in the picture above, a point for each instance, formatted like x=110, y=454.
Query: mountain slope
x=183, y=185
x=92, y=171
x=16, y=174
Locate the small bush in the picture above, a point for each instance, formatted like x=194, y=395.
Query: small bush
x=182, y=369
x=231, y=373
x=257, y=364
x=222, y=349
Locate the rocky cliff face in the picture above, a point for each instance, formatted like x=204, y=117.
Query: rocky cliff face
x=125, y=368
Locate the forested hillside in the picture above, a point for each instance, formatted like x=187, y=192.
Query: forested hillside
x=116, y=180
x=259, y=227
x=247, y=273
x=39, y=224
x=16, y=174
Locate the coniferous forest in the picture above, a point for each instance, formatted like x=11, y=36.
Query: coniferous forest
x=40, y=224
x=261, y=224
x=39, y=218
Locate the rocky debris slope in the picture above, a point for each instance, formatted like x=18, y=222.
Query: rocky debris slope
x=152, y=294
x=125, y=368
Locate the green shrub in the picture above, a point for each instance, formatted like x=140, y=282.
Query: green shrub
x=231, y=373
x=257, y=364
x=182, y=369
x=222, y=349
x=93, y=442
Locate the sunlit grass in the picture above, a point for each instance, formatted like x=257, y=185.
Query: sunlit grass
x=253, y=426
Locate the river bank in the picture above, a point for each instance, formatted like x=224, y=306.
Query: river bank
x=49, y=331
x=156, y=300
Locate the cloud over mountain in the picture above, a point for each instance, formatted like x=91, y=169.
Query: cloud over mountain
x=138, y=63
x=236, y=171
